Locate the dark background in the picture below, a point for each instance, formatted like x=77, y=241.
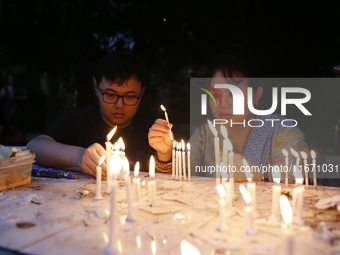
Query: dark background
x=52, y=48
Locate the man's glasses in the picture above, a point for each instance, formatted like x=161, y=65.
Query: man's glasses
x=110, y=98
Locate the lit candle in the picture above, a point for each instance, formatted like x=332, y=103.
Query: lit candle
x=173, y=159
x=251, y=185
x=285, y=153
x=136, y=183
x=189, y=166
x=286, y=211
x=229, y=199
x=217, y=150
x=121, y=151
x=127, y=181
x=248, y=211
x=304, y=156
x=275, y=216
x=108, y=146
x=183, y=160
x=313, y=155
x=188, y=249
x=167, y=119
x=297, y=158
x=221, y=207
x=152, y=182
x=226, y=145
x=298, y=197
x=179, y=146
x=98, y=195
x=115, y=166
x=231, y=173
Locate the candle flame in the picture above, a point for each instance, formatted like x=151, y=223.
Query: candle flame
x=179, y=146
x=224, y=131
x=187, y=248
x=119, y=246
x=313, y=154
x=143, y=183
x=121, y=144
x=294, y=152
x=115, y=164
x=249, y=175
x=163, y=108
x=229, y=145
x=212, y=128
x=107, y=212
x=101, y=160
x=285, y=153
x=245, y=194
x=303, y=154
x=276, y=174
x=126, y=165
x=136, y=170
x=153, y=246
x=152, y=167
x=286, y=210
x=221, y=190
x=174, y=145
x=109, y=135
x=297, y=175
x=183, y=144
x=138, y=240
x=105, y=237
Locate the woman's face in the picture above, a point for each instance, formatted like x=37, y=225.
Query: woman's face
x=225, y=110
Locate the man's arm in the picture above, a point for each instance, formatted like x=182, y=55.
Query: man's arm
x=54, y=154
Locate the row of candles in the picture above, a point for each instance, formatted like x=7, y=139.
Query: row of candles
x=181, y=161
x=228, y=157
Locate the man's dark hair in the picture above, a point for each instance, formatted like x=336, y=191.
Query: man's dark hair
x=119, y=67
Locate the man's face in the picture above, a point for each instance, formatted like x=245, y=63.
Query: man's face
x=119, y=113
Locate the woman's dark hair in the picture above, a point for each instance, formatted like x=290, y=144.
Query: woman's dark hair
x=121, y=66
x=236, y=65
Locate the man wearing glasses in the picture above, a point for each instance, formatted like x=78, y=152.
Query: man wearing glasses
x=78, y=138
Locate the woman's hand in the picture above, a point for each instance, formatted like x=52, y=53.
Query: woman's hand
x=159, y=139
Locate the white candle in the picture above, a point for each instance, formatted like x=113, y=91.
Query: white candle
x=183, y=160
x=251, y=186
x=98, y=195
x=173, y=159
x=108, y=146
x=297, y=158
x=115, y=166
x=167, y=119
x=179, y=161
x=136, y=183
x=127, y=181
x=286, y=212
x=313, y=155
x=189, y=166
x=285, y=153
x=221, y=207
x=216, y=149
x=275, y=216
x=121, y=153
x=248, y=211
x=152, y=182
x=229, y=199
x=298, y=197
x=227, y=146
x=305, y=166
x=231, y=174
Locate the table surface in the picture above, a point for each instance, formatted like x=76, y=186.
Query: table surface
x=56, y=222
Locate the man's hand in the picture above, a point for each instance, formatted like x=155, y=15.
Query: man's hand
x=88, y=159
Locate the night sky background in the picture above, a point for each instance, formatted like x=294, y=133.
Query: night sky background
x=52, y=47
